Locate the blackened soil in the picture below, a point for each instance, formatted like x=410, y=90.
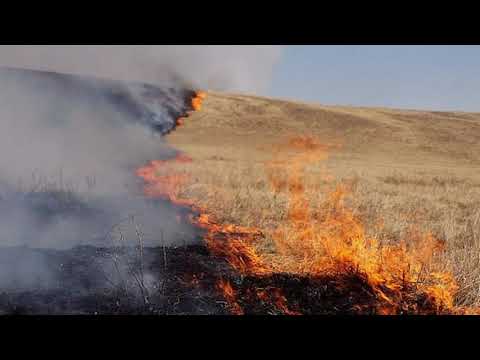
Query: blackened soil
x=176, y=281
x=348, y=293
x=89, y=280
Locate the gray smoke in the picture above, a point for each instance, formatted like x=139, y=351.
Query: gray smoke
x=69, y=148
x=237, y=68
x=69, y=145
x=67, y=128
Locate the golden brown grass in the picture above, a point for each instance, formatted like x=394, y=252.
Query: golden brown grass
x=404, y=169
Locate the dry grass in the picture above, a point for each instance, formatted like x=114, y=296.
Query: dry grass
x=404, y=168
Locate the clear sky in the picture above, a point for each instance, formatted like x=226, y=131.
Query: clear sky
x=415, y=77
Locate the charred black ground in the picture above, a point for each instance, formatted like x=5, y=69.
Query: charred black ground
x=78, y=288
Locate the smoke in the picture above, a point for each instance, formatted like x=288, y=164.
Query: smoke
x=62, y=127
x=236, y=68
x=69, y=145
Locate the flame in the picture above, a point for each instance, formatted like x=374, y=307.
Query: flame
x=334, y=241
x=180, y=121
x=196, y=104
x=275, y=296
x=198, y=100
x=328, y=241
x=160, y=185
x=225, y=287
x=233, y=243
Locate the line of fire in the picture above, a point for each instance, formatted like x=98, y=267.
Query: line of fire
x=323, y=262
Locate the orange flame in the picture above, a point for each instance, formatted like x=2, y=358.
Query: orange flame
x=275, y=296
x=334, y=242
x=226, y=289
x=180, y=121
x=160, y=185
x=197, y=101
x=196, y=104
x=328, y=241
x=232, y=243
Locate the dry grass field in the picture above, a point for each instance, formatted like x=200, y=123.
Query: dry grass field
x=403, y=169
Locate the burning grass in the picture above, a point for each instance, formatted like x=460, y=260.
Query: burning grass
x=320, y=258
x=198, y=100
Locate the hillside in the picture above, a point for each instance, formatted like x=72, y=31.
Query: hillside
x=410, y=137
x=404, y=168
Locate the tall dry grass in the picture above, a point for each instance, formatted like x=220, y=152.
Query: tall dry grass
x=388, y=202
x=404, y=169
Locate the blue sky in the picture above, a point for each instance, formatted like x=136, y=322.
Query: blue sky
x=415, y=77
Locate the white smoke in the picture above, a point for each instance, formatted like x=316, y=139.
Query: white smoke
x=236, y=68
x=59, y=133
x=66, y=129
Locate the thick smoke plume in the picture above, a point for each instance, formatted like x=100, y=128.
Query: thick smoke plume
x=237, y=68
x=69, y=145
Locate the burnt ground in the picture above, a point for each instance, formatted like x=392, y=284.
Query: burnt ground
x=181, y=281
x=173, y=280
x=96, y=278
x=339, y=294
x=88, y=280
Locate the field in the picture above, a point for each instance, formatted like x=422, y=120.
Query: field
x=403, y=169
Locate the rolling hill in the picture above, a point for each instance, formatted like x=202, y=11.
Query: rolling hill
x=404, y=169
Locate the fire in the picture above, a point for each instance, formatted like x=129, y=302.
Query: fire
x=233, y=243
x=226, y=288
x=160, y=185
x=333, y=241
x=198, y=100
x=180, y=121
x=275, y=296
x=326, y=242
x=196, y=104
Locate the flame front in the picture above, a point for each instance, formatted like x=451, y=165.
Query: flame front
x=198, y=100
x=333, y=241
x=328, y=242
x=160, y=185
